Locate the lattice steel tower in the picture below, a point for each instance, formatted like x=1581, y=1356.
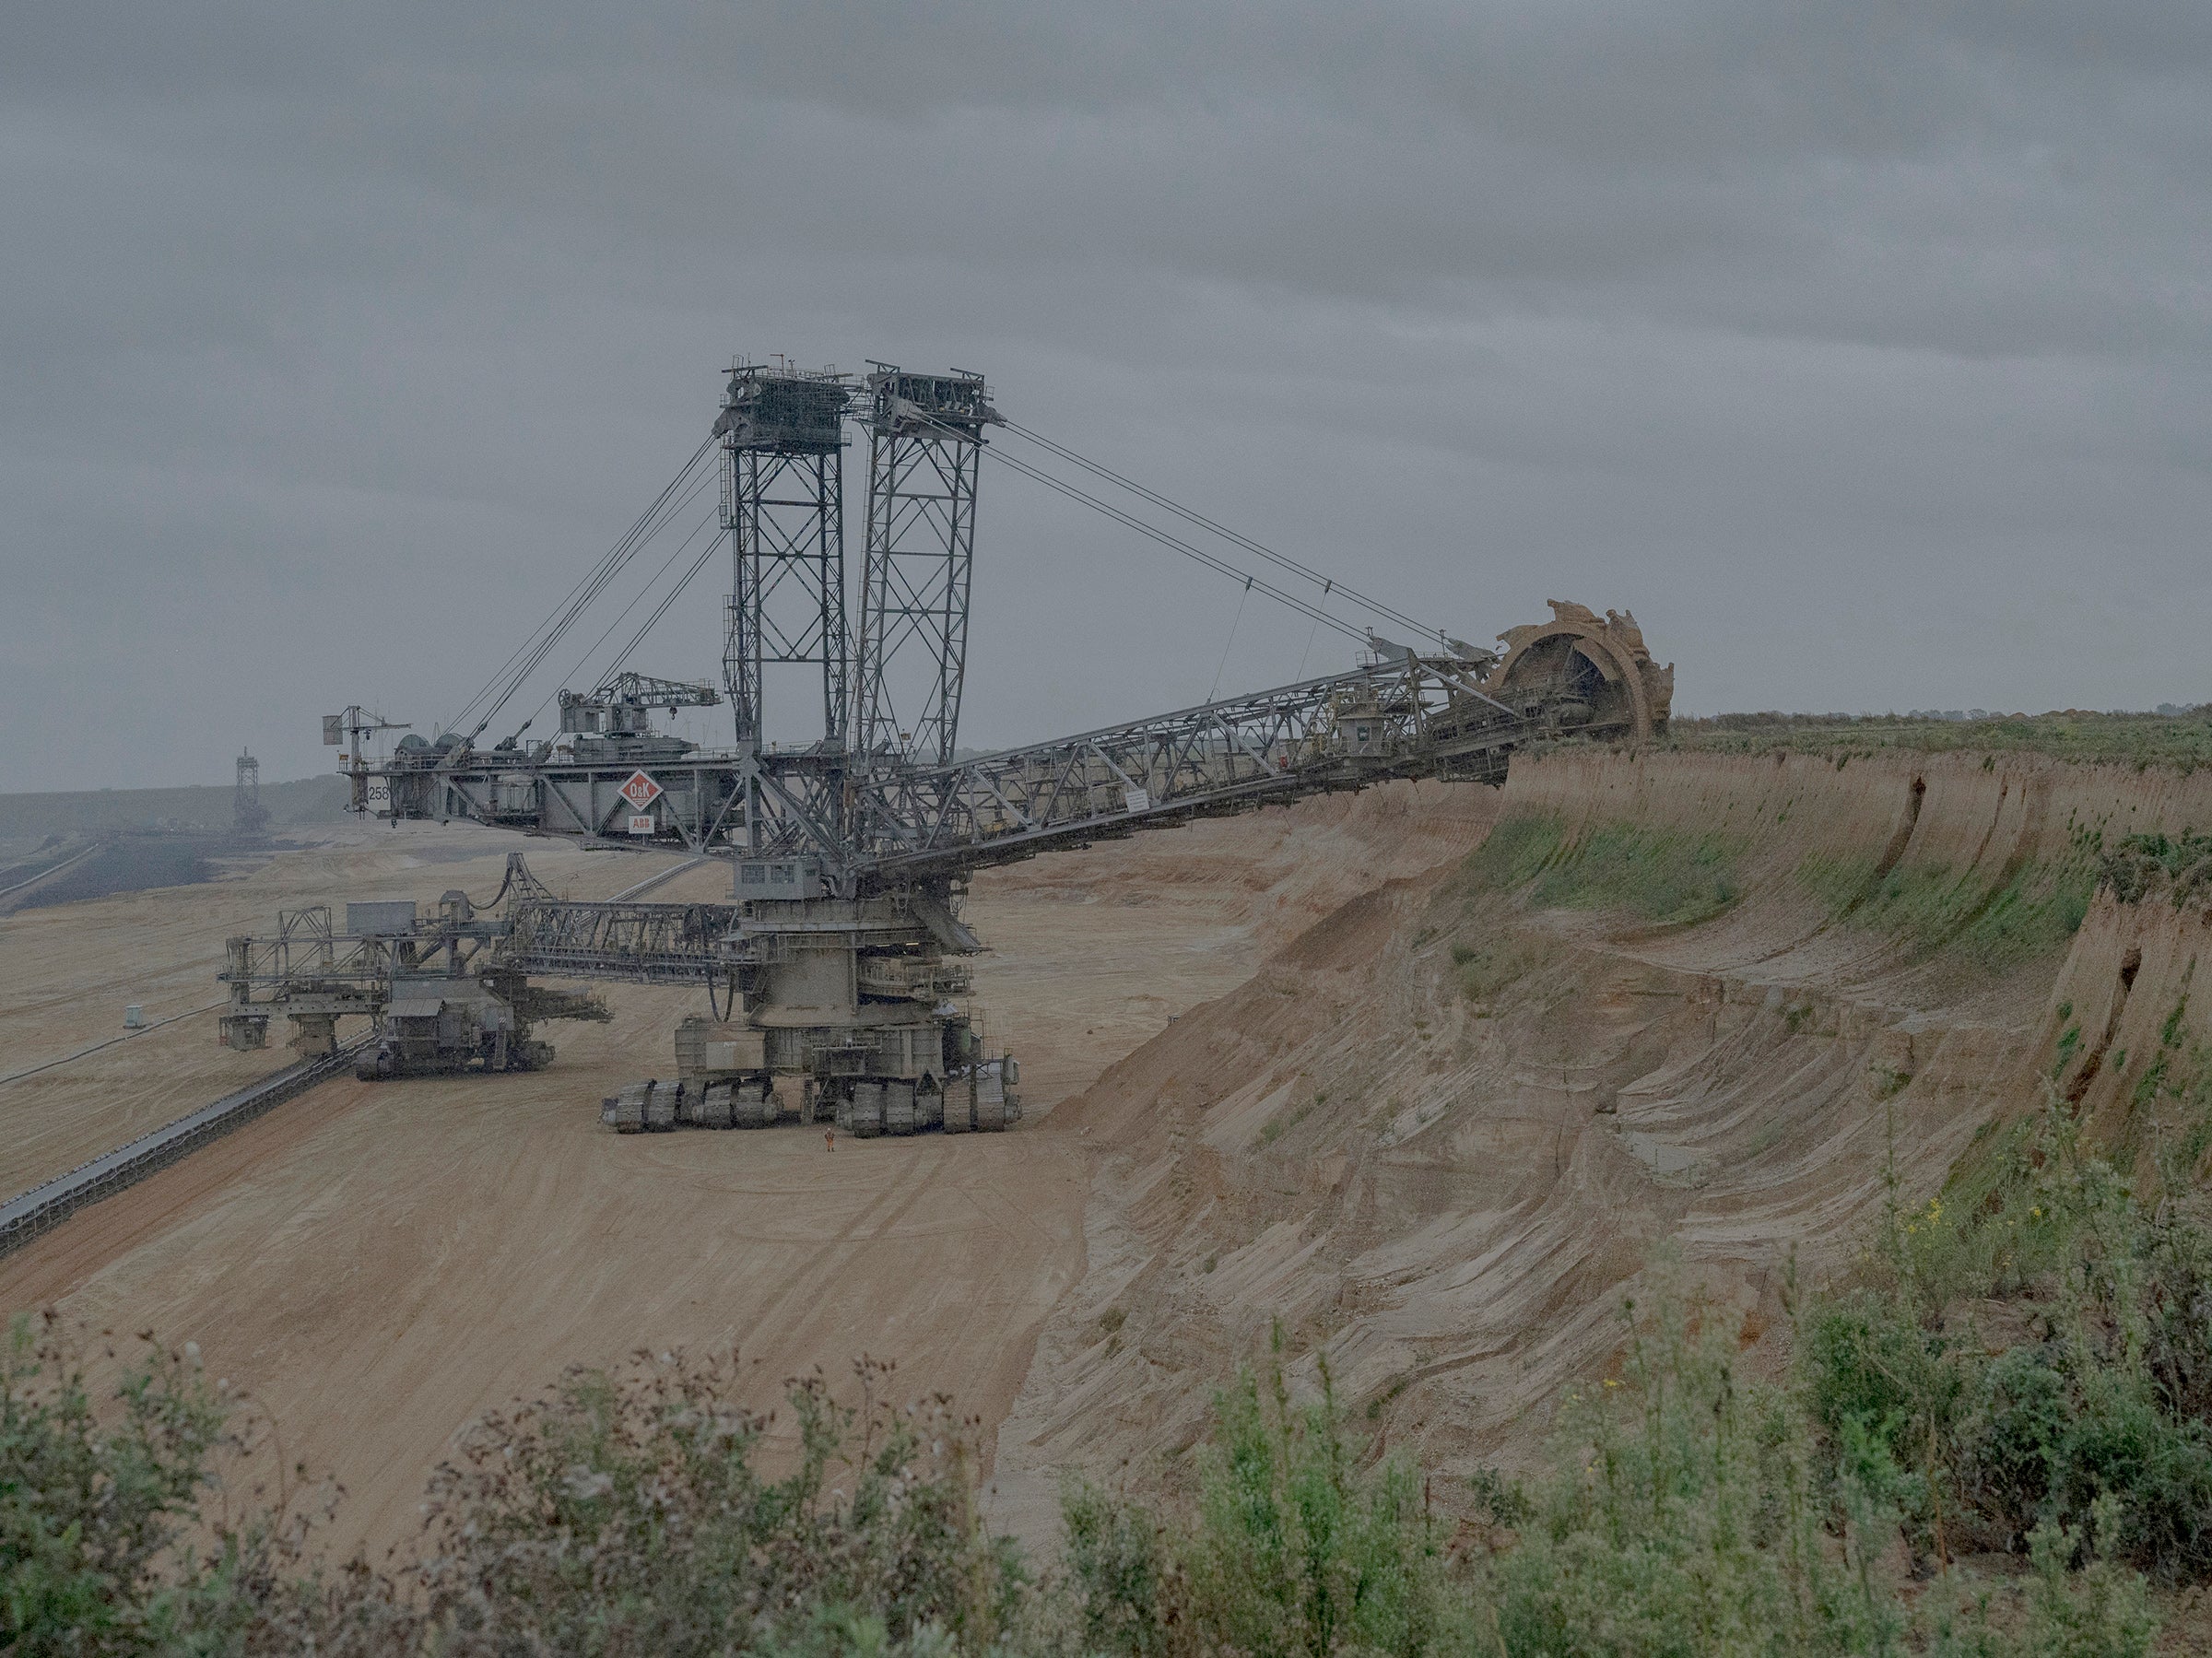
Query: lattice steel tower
x=925, y=438
x=248, y=816
x=783, y=504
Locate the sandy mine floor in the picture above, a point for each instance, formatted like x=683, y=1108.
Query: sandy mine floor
x=378, y=1264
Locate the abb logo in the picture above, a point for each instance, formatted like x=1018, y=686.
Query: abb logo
x=640, y=791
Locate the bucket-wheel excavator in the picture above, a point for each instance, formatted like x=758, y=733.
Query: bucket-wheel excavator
x=836, y=963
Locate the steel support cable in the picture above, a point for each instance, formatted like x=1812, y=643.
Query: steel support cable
x=1278, y=559
x=533, y=648
x=1231, y=640
x=577, y=676
x=661, y=514
x=1211, y=561
x=581, y=593
x=1153, y=533
x=518, y=674
x=1313, y=631
x=668, y=599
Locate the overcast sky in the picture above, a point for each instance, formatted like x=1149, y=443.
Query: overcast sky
x=1861, y=350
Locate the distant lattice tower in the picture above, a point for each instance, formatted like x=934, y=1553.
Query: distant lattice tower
x=248, y=816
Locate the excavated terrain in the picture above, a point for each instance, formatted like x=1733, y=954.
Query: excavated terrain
x=377, y=1264
x=1429, y=1080
x=1680, y=1008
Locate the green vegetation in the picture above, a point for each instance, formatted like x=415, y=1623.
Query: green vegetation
x=2183, y=741
x=2167, y=1122
x=1515, y=852
x=1687, y=1504
x=2140, y=865
x=1932, y=906
x=1398, y=1384
x=2027, y=1364
x=1289, y=1548
x=1685, y=1514
x=1660, y=876
x=95, y=1505
x=619, y=1515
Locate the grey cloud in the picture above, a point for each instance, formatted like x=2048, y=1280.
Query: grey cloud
x=337, y=339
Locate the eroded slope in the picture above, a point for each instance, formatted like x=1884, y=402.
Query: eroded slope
x=1700, y=1000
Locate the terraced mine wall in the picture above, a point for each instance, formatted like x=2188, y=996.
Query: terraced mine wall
x=1680, y=1013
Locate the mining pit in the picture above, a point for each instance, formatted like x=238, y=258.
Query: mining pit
x=1428, y=1077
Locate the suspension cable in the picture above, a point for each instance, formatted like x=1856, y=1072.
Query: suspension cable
x=1210, y=560
x=658, y=517
x=577, y=674
x=622, y=657
x=1326, y=588
x=1326, y=583
x=533, y=651
x=1231, y=640
x=529, y=644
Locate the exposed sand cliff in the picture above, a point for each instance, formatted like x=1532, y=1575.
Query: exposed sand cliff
x=1693, y=1000
x=1426, y=1091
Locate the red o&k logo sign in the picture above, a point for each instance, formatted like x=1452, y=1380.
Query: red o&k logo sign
x=640, y=791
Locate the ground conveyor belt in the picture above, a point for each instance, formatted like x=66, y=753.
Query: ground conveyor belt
x=44, y=1207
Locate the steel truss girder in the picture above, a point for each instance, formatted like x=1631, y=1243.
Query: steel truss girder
x=786, y=516
x=924, y=459
x=1421, y=718
x=640, y=943
x=660, y=943
x=895, y=826
x=307, y=967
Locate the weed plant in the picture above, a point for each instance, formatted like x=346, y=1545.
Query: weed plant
x=1682, y=1514
x=2178, y=864
x=1486, y=969
x=1688, y=1505
x=1291, y=1549
x=621, y=1514
x=1931, y=906
x=2027, y=1364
